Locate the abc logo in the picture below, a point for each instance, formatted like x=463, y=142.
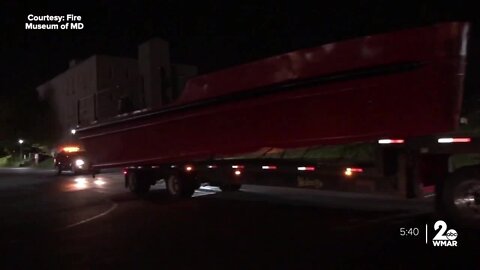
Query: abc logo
x=451, y=234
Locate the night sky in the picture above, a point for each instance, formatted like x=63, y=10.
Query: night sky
x=209, y=34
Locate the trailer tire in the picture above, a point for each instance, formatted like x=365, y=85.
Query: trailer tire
x=230, y=187
x=136, y=184
x=180, y=186
x=460, y=196
x=58, y=171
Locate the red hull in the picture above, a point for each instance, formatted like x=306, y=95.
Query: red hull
x=407, y=83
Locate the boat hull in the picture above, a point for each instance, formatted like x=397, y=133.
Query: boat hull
x=404, y=84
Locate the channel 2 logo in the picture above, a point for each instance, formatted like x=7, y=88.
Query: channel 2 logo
x=444, y=237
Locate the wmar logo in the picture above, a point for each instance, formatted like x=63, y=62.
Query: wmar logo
x=444, y=238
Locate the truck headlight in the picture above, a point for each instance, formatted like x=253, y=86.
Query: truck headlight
x=79, y=163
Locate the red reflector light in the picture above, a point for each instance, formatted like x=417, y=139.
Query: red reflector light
x=238, y=172
x=238, y=166
x=269, y=167
x=351, y=171
x=454, y=140
x=307, y=168
x=390, y=141
x=125, y=171
x=188, y=168
x=212, y=166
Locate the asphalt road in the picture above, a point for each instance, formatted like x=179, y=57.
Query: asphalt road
x=76, y=222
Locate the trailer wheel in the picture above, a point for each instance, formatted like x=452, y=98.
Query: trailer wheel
x=460, y=197
x=179, y=185
x=137, y=184
x=230, y=187
x=58, y=171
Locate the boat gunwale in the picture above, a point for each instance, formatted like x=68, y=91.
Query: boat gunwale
x=347, y=75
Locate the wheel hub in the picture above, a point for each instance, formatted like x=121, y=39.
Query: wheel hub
x=467, y=198
x=174, y=185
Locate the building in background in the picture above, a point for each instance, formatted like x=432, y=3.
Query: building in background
x=101, y=86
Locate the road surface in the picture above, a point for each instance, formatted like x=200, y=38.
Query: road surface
x=77, y=222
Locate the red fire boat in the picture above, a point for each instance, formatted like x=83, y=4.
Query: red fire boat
x=399, y=84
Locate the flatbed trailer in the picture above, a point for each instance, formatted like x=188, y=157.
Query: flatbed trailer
x=406, y=84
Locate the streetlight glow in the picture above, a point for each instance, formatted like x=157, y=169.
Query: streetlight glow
x=20, y=141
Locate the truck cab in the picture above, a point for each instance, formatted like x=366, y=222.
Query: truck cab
x=74, y=159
